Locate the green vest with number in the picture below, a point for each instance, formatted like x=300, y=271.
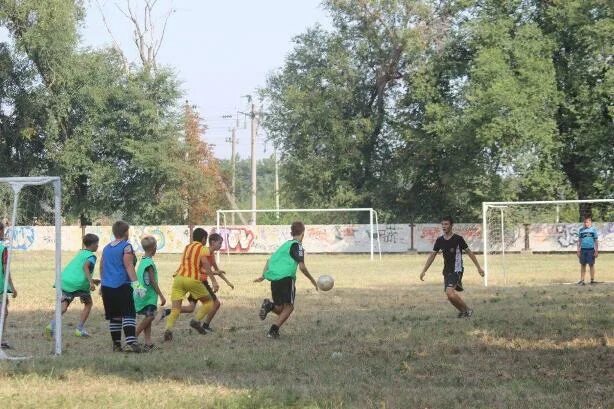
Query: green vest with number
x=10, y=290
x=73, y=276
x=281, y=263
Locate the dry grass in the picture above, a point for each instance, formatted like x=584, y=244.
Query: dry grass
x=379, y=339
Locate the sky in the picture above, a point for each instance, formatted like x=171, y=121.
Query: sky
x=220, y=50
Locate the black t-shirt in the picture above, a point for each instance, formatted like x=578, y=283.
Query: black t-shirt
x=452, y=251
x=297, y=252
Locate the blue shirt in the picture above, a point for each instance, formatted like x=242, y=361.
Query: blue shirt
x=114, y=272
x=588, y=237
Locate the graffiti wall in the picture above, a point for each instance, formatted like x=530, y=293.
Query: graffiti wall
x=346, y=238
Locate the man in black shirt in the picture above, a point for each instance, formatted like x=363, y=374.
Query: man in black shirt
x=452, y=246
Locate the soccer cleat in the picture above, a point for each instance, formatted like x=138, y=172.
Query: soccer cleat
x=273, y=334
x=581, y=282
x=168, y=335
x=196, y=325
x=82, y=333
x=117, y=348
x=593, y=281
x=149, y=348
x=265, y=308
x=5, y=345
x=163, y=314
x=207, y=327
x=468, y=313
x=134, y=348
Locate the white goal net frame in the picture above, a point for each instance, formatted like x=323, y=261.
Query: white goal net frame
x=17, y=184
x=373, y=221
x=501, y=206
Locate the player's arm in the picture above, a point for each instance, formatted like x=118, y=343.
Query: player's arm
x=264, y=270
x=303, y=268
x=428, y=263
x=596, y=246
x=154, y=284
x=475, y=261
x=87, y=272
x=129, y=263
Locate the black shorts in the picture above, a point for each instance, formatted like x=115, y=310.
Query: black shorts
x=118, y=302
x=209, y=290
x=85, y=296
x=283, y=291
x=148, y=311
x=453, y=280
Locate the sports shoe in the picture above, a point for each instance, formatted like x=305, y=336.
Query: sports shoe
x=273, y=334
x=468, y=313
x=149, y=348
x=207, y=327
x=118, y=348
x=265, y=308
x=168, y=335
x=163, y=314
x=5, y=345
x=134, y=348
x=593, y=281
x=81, y=333
x=581, y=282
x=198, y=327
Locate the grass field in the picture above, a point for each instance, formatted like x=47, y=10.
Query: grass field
x=379, y=339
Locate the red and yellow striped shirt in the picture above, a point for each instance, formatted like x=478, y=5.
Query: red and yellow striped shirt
x=190, y=261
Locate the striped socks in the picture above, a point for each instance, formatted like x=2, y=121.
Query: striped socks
x=129, y=327
x=115, y=328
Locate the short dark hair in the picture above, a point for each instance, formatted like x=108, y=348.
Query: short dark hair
x=587, y=217
x=199, y=234
x=149, y=243
x=90, y=239
x=448, y=219
x=120, y=228
x=297, y=228
x=215, y=237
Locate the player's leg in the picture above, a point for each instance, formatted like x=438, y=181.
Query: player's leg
x=129, y=318
x=592, y=272
x=451, y=282
x=456, y=300
x=5, y=311
x=214, y=308
x=178, y=291
x=583, y=263
x=145, y=325
x=283, y=297
x=187, y=309
x=80, y=331
x=147, y=331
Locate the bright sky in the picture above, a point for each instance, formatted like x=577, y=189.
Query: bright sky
x=221, y=50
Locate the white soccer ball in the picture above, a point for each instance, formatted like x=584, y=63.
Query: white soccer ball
x=325, y=282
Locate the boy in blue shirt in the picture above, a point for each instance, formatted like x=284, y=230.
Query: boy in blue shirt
x=588, y=249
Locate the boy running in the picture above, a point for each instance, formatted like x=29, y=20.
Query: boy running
x=192, y=271
x=77, y=282
x=119, y=282
x=280, y=270
x=147, y=274
x=588, y=249
x=4, y=254
x=452, y=246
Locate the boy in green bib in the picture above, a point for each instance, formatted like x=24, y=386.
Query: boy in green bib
x=280, y=270
x=147, y=275
x=4, y=253
x=77, y=281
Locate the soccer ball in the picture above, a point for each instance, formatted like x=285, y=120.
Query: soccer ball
x=325, y=283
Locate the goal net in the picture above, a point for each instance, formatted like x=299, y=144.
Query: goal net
x=354, y=230
x=30, y=211
x=514, y=233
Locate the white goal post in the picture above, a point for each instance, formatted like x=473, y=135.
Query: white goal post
x=501, y=206
x=17, y=184
x=373, y=220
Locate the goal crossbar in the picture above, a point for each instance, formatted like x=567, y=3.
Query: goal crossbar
x=373, y=220
x=501, y=205
x=16, y=184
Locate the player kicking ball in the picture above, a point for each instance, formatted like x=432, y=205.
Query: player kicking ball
x=452, y=246
x=280, y=270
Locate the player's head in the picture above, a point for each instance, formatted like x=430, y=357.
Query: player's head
x=200, y=235
x=446, y=224
x=215, y=242
x=90, y=242
x=588, y=221
x=150, y=245
x=120, y=230
x=297, y=230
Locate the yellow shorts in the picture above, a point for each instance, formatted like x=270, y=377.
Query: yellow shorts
x=183, y=285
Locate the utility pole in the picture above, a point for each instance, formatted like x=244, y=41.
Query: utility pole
x=254, y=187
x=233, y=163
